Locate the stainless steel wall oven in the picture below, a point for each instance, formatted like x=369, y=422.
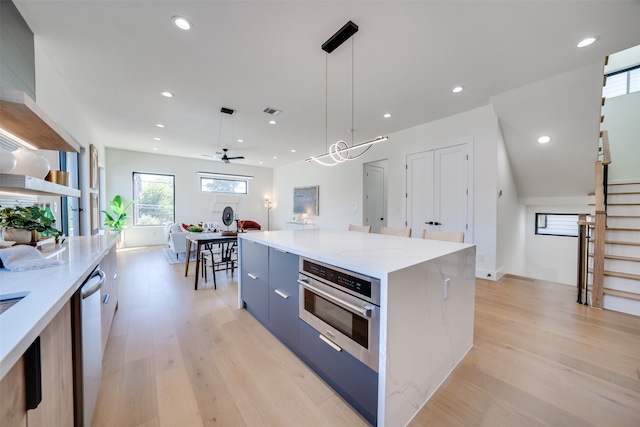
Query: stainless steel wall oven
x=343, y=306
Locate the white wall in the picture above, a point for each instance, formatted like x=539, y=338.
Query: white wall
x=622, y=120
x=191, y=204
x=551, y=258
x=54, y=97
x=341, y=186
x=510, y=218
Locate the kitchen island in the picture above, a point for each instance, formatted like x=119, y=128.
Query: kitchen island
x=427, y=291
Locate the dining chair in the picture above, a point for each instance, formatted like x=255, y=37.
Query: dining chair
x=448, y=236
x=403, y=232
x=225, y=254
x=361, y=228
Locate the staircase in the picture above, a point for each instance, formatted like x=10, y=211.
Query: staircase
x=621, y=282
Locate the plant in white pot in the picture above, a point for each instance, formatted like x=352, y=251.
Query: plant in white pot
x=25, y=224
x=117, y=218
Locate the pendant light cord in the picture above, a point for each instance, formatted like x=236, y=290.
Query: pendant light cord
x=326, y=101
x=352, y=50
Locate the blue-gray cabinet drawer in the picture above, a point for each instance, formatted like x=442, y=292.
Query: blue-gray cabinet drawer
x=255, y=294
x=350, y=378
x=283, y=296
x=255, y=259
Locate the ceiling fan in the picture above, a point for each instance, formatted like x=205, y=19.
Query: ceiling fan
x=226, y=158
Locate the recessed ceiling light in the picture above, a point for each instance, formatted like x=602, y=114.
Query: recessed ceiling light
x=457, y=89
x=544, y=139
x=155, y=148
x=160, y=125
x=587, y=41
x=157, y=139
x=387, y=115
x=259, y=163
x=241, y=140
x=293, y=151
x=167, y=94
x=272, y=122
x=182, y=23
x=275, y=157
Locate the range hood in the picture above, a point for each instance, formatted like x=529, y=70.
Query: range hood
x=23, y=118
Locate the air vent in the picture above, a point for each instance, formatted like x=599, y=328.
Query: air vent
x=272, y=111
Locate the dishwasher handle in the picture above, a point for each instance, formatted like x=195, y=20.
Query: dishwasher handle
x=89, y=288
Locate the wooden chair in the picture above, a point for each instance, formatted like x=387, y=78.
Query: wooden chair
x=361, y=228
x=404, y=232
x=448, y=236
x=219, y=258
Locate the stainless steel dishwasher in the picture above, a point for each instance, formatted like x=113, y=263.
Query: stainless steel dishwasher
x=87, y=347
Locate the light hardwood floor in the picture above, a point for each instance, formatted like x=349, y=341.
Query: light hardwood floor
x=179, y=357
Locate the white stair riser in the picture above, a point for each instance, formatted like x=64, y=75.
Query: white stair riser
x=627, y=188
x=623, y=198
x=623, y=222
x=620, y=266
x=619, y=250
x=619, y=284
x=622, y=236
x=633, y=210
x=622, y=305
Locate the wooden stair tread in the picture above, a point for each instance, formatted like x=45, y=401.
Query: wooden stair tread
x=620, y=193
x=623, y=216
x=621, y=294
x=624, y=183
x=614, y=242
x=622, y=229
x=618, y=257
x=620, y=275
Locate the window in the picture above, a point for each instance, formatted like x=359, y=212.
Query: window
x=557, y=224
x=155, y=195
x=218, y=185
x=622, y=82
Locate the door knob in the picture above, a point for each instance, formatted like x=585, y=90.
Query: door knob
x=381, y=219
x=429, y=223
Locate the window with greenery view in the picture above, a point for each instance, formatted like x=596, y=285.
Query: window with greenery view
x=218, y=185
x=155, y=194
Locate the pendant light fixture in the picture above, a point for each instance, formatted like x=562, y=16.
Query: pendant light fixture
x=340, y=151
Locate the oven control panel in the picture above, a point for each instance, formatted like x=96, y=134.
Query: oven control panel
x=354, y=283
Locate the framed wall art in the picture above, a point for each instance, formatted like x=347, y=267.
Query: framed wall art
x=93, y=167
x=305, y=200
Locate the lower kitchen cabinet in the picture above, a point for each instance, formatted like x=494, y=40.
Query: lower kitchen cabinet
x=352, y=379
x=283, y=296
x=56, y=380
x=108, y=293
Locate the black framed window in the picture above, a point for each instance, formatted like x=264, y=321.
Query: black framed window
x=155, y=195
x=224, y=185
x=552, y=224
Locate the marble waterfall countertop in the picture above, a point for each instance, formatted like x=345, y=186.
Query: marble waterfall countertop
x=375, y=255
x=47, y=291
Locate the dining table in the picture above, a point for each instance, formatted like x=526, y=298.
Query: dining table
x=203, y=239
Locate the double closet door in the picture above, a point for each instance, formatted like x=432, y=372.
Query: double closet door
x=438, y=191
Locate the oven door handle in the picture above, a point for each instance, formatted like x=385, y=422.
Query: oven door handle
x=362, y=311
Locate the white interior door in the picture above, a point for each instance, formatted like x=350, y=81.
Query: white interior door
x=437, y=190
x=451, y=189
x=420, y=191
x=374, y=198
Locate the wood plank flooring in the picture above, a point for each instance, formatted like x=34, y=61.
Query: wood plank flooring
x=179, y=357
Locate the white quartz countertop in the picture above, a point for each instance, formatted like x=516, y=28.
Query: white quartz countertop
x=372, y=254
x=47, y=291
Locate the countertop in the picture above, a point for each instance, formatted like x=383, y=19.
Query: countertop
x=371, y=254
x=48, y=290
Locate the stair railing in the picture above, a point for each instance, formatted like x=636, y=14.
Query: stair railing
x=597, y=290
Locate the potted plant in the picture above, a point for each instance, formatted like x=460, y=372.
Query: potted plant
x=25, y=224
x=117, y=219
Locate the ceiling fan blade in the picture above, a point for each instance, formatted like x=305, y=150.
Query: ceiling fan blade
x=235, y=158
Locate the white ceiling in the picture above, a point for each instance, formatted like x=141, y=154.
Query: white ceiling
x=521, y=56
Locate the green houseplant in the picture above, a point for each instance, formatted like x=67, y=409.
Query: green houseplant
x=118, y=216
x=32, y=218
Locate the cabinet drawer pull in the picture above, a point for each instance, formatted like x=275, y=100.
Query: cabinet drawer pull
x=331, y=343
x=282, y=294
x=281, y=250
x=115, y=276
x=252, y=276
x=106, y=299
